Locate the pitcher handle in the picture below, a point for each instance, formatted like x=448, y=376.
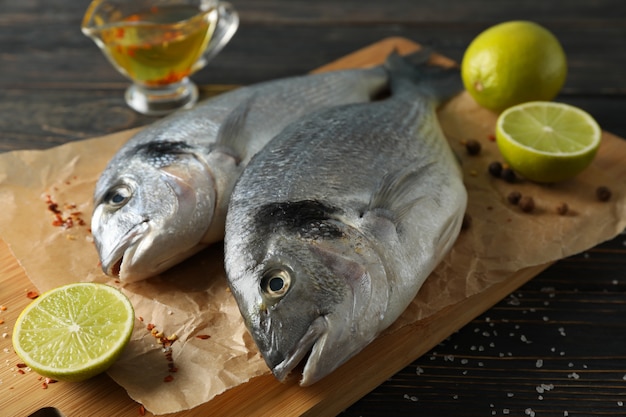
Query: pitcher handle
x=227, y=24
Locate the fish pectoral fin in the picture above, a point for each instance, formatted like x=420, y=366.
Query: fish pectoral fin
x=449, y=234
x=390, y=198
x=233, y=137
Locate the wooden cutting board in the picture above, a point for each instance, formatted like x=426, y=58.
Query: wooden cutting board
x=22, y=392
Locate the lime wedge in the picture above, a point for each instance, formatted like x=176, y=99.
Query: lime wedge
x=546, y=141
x=74, y=332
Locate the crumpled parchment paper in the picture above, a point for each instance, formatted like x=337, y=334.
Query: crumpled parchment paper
x=213, y=351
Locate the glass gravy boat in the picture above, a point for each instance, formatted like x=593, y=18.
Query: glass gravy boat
x=157, y=44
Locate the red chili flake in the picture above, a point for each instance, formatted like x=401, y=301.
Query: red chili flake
x=3, y=308
x=1, y=321
x=32, y=294
x=21, y=371
x=44, y=385
x=203, y=336
x=58, y=220
x=168, y=378
x=21, y=365
x=53, y=207
x=150, y=326
x=142, y=410
x=492, y=137
x=140, y=318
x=50, y=380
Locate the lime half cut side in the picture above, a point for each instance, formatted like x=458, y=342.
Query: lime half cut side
x=547, y=141
x=74, y=332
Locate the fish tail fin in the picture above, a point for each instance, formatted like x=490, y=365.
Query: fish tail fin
x=439, y=83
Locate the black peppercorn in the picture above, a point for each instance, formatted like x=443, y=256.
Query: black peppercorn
x=473, y=147
x=495, y=169
x=603, y=193
x=514, y=197
x=527, y=204
x=508, y=175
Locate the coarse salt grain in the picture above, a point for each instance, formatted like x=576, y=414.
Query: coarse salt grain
x=410, y=397
x=539, y=363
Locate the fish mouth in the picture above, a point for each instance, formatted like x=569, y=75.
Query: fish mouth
x=124, y=250
x=307, y=344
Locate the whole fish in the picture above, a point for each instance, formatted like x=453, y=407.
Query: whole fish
x=164, y=194
x=336, y=223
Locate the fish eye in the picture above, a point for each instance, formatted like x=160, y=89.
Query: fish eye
x=118, y=196
x=276, y=282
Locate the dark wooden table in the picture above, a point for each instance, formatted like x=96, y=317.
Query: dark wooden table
x=555, y=347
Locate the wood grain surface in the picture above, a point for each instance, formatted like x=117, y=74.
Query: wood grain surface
x=554, y=347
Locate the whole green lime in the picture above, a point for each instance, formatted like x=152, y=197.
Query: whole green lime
x=512, y=63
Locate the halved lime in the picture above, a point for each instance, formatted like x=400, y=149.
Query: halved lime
x=74, y=332
x=547, y=141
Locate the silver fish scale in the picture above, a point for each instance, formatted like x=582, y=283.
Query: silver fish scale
x=177, y=174
x=355, y=163
x=356, y=205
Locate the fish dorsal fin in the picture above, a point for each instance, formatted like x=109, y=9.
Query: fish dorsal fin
x=233, y=137
x=389, y=199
